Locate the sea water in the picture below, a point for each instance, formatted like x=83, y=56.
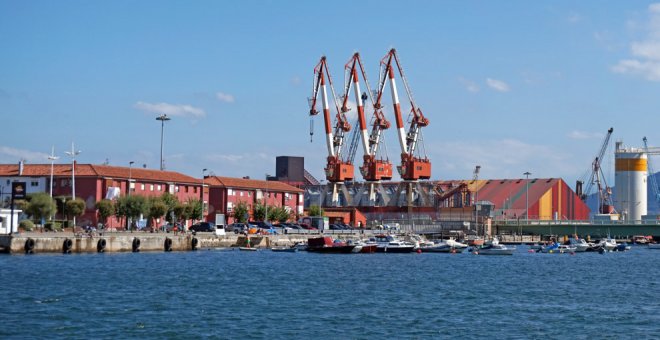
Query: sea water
x=234, y=294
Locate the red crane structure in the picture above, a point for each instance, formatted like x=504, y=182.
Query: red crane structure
x=414, y=164
x=373, y=168
x=338, y=169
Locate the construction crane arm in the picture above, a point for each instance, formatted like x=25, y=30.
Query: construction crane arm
x=337, y=169
x=413, y=166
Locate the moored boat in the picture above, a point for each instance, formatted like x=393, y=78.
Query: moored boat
x=327, y=245
x=448, y=246
x=494, y=248
x=654, y=245
x=247, y=249
x=284, y=249
x=390, y=244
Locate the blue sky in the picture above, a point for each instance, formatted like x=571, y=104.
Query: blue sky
x=512, y=86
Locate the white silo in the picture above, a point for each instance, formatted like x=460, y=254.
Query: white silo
x=630, y=196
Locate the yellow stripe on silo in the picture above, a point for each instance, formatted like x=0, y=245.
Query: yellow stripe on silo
x=630, y=164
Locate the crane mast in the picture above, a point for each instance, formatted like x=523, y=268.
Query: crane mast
x=605, y=205
x=414, y=166
x=373, y=169
x=337, y=168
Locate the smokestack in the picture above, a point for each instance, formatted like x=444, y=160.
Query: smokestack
x=21, y=165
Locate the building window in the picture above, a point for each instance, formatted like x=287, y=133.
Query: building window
x=176, y=188
x=230, y=192
x=142, y=186
x=151, y=187
x=249, y=193
x=241, y=194
x=287, y=196
x=158, y=187
x=34, y=184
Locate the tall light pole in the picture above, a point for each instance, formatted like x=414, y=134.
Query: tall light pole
x=163, y=118
x=476, y=198
x=73, y=153
x=52, y=159
x=202, y=193
x=130, y=168
x=266, y=199
x=527, y=197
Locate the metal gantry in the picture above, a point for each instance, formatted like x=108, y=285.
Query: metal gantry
x=596, y=177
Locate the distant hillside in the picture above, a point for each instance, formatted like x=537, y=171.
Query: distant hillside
x=653, y=206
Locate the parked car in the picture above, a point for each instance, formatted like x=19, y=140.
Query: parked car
x=203, y=227
x=237, y=228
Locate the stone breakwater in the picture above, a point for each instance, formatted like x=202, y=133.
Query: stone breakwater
x=35, y=243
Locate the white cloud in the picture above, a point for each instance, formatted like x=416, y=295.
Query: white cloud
x=171, y=109
x=573, y=17
x=469, y=85
x=13, y=155
x=575, y=134
x=225, y=97
x=497, y=85
x=645, y=53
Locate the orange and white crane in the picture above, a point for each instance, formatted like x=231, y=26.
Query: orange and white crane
x=338, y=169
x=415, y=164
x=374, y=167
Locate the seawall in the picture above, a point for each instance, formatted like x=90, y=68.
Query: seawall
x=138, y=242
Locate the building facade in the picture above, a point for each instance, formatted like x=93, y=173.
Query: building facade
x=226, y=192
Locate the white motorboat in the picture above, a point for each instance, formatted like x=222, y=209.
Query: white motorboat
x=390, y=244
x=557, y=248
x=580, y=244
x=494, y=248
x=448, y=246
x=654, y=245
x=608, y=244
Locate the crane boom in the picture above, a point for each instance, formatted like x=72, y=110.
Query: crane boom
x=605, y=205
x=413, y=166
x=337, y=168
x=372, y=169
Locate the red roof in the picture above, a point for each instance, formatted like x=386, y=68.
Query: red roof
x=91, y=170
x=242, y=183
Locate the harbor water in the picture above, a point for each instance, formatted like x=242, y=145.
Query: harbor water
x=262, y=294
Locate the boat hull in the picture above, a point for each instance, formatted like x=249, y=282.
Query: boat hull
x=284, y=250
x=395, y=249
x=332, y=250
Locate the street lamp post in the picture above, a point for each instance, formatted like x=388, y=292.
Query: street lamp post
x=73, y=153
x=130, y=167
x=52, y=159
x=202, y=193
x=266, y=199
x=527, y=197
x=163, y=118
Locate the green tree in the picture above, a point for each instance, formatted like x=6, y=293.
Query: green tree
x=75, y=207
x=121, y=210
x=106, y=209
x=171, y=202
x=157, y=209
x=315, y=210
x=195, y=205
x=241, y=212
x=280, y=214
x=259, y=211
x=136, y=206
x=40, y=206
x=180, y=212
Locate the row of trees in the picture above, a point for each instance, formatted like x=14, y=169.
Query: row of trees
x=275, y=213
x=135, y=206
x=40, y=206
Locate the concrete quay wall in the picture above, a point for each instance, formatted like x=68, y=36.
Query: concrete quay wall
x=125, y=242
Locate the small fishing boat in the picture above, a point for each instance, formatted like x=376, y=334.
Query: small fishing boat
x=247, y=249
x=327, y=245
x=493, y=248
x=390, y=244
x=284, y=249
x=448, y=246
